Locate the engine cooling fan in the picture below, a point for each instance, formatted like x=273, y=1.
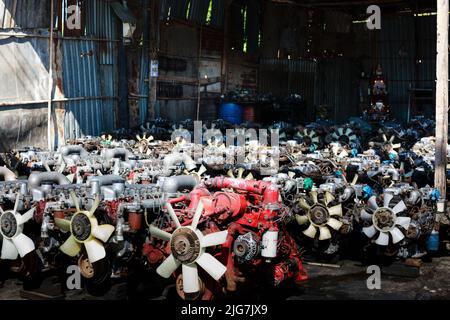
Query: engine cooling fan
x=385, y=220
x=11, y=227
x=188, y=246
x=320, y=216
x=85, y=230
x=344, y=136
x=308, y=137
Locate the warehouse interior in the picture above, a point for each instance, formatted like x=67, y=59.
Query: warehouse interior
x=101, y=105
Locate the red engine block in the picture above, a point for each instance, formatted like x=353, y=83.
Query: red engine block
x=239, y=206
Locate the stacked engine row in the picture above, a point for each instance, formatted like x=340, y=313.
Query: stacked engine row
x=217, y=216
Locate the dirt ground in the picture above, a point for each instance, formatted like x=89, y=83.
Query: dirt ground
x=349, y=281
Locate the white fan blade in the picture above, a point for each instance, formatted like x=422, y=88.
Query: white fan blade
x=16, y=203
x=75, y=200
x=341, y=131
x=385, y=138
x=365, y=215
x=335, y=136
x=370, y=231
x=313, y=195
x=328, y=197
x=94, y=206
x=190, y=278
x=343, y=154
x=387, y=199
x=324, y=233
x=21, y=219
x=214, y=239
x=303, y=204
x=403, y=222
x=71, y=247
x=9, y=251
x=197, y=214
x=168, y=267
x=173, y=215
x=95, y=250
x=397, y=235
x=103, y=232
x=383, y=239
x=63, y=224
x=240, y=173
x=301, y=220
x=310, y=232
x=334, y=223
x=336, y=210
x=160, y=234
x=401, y=206
x=373, y=203
x=24, y=244
x=202, y=170
x=211, y=265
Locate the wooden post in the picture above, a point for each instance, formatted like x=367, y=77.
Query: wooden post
x=199, y=60
x=441, y=99
x=50, y=82
x=154, y=47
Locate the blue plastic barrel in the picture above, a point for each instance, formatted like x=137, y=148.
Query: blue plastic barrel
x=433, y=241
x=231, y=112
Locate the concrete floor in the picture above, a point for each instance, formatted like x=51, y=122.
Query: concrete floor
x=346, y=282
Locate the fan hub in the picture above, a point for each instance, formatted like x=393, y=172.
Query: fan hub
x=81, y=227
x=185, y=245
x=319, y=215
x=384, y=219
x=344, y=139
x=8, y=225
x=307, y=140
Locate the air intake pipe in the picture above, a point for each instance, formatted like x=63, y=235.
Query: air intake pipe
x=178, y=183
x=36, y=179
x=174, y=159
x=73, y=149
x=7, y=175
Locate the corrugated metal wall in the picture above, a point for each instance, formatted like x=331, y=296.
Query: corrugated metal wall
x=89, y=70
x=336, y=87
x=81, y=79
x=144, y=67
x=396, y=51
x=24, y=14
x=193, y=10
x=84, y=69
x=23, y=70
